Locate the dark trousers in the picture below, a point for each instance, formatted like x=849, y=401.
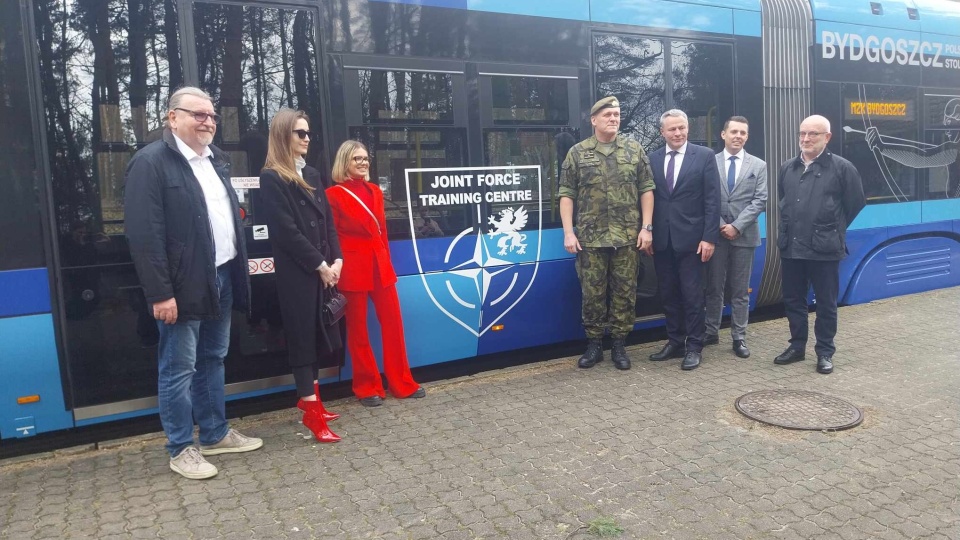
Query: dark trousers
x=798, y=275
x=680, y=277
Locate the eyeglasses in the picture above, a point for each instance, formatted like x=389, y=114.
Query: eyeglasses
x=811, y=134
x=201, y=116
x=303, y=134
x=361, y=159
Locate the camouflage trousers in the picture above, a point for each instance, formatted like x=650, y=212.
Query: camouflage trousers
x=608, y=278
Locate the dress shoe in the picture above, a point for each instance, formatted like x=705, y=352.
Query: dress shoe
x=418, y=393
x=593, y=355
x=670, y=350
x=711, y=339
x=789, y=356
x=619, y=355
x=372, y=401
x=740, y=348
x=690, y=361
x=824, y=364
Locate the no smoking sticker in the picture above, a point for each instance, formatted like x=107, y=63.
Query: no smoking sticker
x=260, y=266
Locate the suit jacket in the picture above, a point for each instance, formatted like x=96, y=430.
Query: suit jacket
x=748, y=200
x=303, y=236
x=691, y=213
x=363, y=239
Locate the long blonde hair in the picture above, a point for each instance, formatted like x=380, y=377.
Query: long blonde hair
x=280, y=155
x=341, y=163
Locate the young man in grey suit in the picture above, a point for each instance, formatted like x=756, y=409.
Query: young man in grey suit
x=743, y=197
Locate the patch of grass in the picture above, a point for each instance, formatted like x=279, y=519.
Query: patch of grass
x=604, y=526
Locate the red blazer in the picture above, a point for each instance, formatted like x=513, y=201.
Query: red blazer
x=365, y=247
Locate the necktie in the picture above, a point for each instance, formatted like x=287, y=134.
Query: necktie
x=732, y=174
x=669, y=178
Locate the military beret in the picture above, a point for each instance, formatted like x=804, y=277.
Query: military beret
x=609, y=101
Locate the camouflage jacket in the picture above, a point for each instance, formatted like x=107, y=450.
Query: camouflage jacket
x=606, y=190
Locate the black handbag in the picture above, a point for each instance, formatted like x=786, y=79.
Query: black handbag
x=334, y=307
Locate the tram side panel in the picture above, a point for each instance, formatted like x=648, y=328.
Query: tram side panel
x=891, y=93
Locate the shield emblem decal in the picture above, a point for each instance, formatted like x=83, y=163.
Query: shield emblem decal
x=489, y=255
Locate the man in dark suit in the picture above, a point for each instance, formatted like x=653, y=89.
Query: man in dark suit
x=743, y=197
x=687, y=203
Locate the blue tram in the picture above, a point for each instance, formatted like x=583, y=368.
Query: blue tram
x=467, y=107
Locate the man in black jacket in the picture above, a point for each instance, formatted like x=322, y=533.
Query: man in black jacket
x=819, y=196
x=186, y=241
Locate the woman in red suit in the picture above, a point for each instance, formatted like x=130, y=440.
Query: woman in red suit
x=307, y=258
x=368, y=273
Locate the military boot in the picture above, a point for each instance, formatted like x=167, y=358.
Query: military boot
x=619, y=355
x=593, y=355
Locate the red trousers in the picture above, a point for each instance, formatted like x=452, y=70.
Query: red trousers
x=366, y=376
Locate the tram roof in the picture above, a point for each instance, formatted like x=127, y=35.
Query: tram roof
x=932, y=16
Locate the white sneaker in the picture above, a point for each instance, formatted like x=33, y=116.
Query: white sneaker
x=190, y=464
x=234, y=442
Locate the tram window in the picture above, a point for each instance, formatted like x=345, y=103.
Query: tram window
x=505, y=147
x=253, y=61
x=887, y=167
x=703, y=88
x=530, y=101
x=395, y=149
x=105, y=75
x=940, y=155
x=22, y=245
x=406, y=97
x=632, y=68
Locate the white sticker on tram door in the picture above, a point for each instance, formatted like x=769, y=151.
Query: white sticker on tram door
x=260, y=232
x=260, y=266
x=245, y=182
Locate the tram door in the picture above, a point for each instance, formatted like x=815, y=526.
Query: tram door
x=106, y=70
x=255, y=60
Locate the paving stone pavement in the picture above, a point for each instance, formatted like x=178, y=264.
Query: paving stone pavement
x=540, y=451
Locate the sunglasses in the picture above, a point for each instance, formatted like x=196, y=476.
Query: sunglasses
x=201, y=117
x=303, y=133
x=361, y=159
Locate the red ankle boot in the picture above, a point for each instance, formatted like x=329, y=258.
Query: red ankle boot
x=327, y=415
x=313, y=420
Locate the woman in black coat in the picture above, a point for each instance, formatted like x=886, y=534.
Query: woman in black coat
x=307, y=258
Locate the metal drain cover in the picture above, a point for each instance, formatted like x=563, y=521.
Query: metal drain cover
x=798, y=409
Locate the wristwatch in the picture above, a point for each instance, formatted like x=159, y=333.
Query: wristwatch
x=648, y=228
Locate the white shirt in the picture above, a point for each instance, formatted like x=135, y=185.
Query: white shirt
x=300, y=163
x=726, y=164
x=677, y=162
x=218, y=202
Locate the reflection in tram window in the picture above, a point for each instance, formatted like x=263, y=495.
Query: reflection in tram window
x=406, y=97
x=106, y=69
x=694, y=77
x=22, y=245
x=632, y=68
x=530, y=100
x=703, y=88
x=267, y=61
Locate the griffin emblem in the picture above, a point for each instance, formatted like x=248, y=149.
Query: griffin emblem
x=509, y=223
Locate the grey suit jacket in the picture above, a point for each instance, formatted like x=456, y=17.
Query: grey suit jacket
x=748, y=200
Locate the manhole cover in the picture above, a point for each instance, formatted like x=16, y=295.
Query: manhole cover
x=797, y=409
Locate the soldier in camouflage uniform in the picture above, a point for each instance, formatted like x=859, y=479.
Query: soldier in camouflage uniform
x=609, y=178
